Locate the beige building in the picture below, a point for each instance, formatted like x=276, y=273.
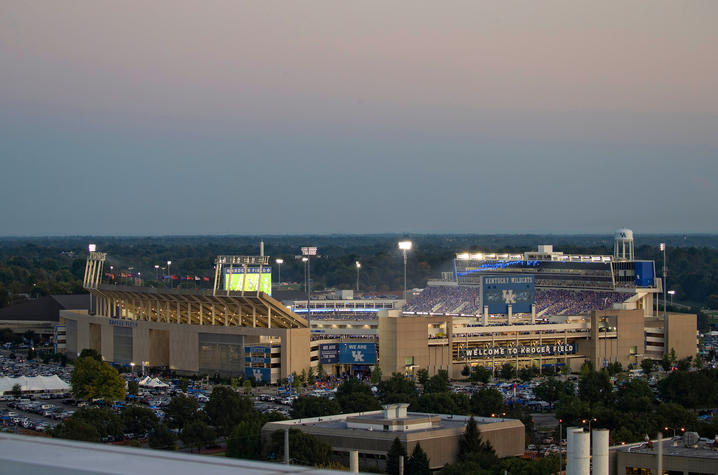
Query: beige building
x=371, y=434
x=411, y=342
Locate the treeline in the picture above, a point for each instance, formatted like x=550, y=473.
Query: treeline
x=36, y=267
x=633, y=410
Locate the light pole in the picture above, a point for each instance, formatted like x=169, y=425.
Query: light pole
x=405, y=246
x=112, y=274
x=671, y=293
x=157, y=272
x=279, y=270
x=358, y=265
x=307, y=252
x=665, y=268
x=169, y=272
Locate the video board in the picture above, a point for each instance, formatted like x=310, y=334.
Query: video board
x=500, y=291
x=248, y=279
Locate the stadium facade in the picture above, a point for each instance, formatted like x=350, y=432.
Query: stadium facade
x=540, y=308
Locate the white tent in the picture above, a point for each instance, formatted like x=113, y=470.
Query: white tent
x=145, y=381
x=156, y=383
x=34, y=384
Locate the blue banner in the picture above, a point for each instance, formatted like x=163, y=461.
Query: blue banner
x=257, y=349
x=500, y=291
x=259, y=374
x=329, y=353
x=357, y=353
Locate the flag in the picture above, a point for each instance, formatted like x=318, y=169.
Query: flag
x=206, y=279
x=174, y=277
x=197, y=278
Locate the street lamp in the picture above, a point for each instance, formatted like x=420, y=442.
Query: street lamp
x=358, y=265
x=92, y=247
x=132, y=365
x=672, y=293
x=169, y=263
x=157, y=272
x=405, y=246
x=279, y=270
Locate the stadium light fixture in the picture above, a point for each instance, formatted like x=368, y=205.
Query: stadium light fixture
x=92, y=247
x=358, y=266
x=169, y=263
x=405, y=246
x=279, y=272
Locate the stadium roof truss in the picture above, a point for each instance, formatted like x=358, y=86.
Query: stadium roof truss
x=194, y=307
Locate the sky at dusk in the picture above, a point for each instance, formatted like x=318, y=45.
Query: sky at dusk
x=276, y=117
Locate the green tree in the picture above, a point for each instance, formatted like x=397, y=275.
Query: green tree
x=320, y=370
x=245, y=441
x=595, y=387
x=92, y=379
x=162, y=438
x=139, y=420
x=396, y=451
x=304, y=449
x=472, y=448
x=180, y=411
x=90, y=353
x=16, y=390
x=197, y=434
x=635, y=396
x=376, y=375
x=551, y=390
x=647, y=366
x=397, y=389
x=466, y=371
x=310, y=406
x=684, y=364
x=441, y=403
x=76, y=429
x=355, y=396
x=422, y=376
x=480, y=374
x=486, y=402
x=90, y=424
x=418, y=463
x=439, y=383
x=508, y=371
x=133, y=387
x=227, y=408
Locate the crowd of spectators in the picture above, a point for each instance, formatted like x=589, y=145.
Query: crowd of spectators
x=453, y=300
x=466, y=301
x=574, y=302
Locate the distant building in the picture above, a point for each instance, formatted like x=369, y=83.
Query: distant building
x=372, y=433
x=41, y=315
x=686, y=455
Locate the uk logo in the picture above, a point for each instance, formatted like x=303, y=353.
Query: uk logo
x=358, y=356
x=509, y=297
x=257, y=373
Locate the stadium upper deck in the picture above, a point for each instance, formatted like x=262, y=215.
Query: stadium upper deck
x=556, y=269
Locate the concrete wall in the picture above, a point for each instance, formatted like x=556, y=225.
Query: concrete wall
x=681, y=334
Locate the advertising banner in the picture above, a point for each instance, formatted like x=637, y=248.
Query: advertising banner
x=259, y=374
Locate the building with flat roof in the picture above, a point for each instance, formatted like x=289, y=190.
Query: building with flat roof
x=682, y=455
x=370, y=434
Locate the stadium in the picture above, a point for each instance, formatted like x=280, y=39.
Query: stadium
x=539, y=308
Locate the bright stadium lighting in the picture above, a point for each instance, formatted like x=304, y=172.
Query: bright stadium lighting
x=405, y=246
x=169, y=263
x=92, y=247
x=279, y=263
x=358, y=265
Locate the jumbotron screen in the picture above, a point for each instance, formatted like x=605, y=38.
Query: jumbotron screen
x=250, y=281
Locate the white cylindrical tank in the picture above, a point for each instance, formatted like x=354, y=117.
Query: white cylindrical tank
x=581, y=453
x=570, y=448
x=599, y=449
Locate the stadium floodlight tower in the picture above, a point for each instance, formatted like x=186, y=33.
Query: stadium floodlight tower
x=358, y=265
x=307, y=252
x=279, y=263
x=405, y=246
x=623, y=245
